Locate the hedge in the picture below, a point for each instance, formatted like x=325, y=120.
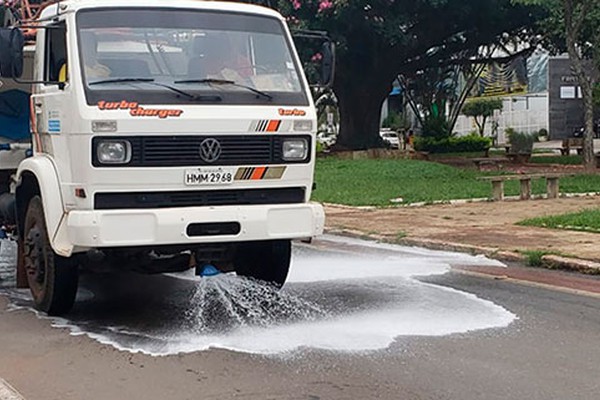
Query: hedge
x=462, y=144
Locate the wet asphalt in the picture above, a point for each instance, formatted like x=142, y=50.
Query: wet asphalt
x=355, y=321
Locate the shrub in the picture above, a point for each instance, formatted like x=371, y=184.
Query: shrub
x=320, y=147
x=463, y=144
x=520, y=142
x=436, y=128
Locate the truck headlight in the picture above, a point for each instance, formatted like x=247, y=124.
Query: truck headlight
x=114, y=152
x=295, y=149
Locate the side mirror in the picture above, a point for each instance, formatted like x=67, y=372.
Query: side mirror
x=317, y=54
x=327, y=64
x=11, y=52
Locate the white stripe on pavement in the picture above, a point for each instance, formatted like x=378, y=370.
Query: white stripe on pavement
x=7, y=392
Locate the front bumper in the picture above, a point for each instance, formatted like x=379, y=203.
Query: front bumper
x=127, y=228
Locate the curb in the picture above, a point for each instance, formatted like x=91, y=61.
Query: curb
x=549, y=261
x=572, y=264
x=396, y=203
x=491, y=252
x=7, y=392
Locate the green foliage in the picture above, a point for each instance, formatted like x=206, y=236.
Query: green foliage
x=320, y=147
x=396, y=121
x=551, y=26
x=401, y=235
x=586, y=220
x=597, y=95
x=535, y=257
x=463, y=144
x=520, y=142
x=377, y=182
x=481, y=107
x=378, y=40
x=543, y=132
x=480, y=110
x=436, y=127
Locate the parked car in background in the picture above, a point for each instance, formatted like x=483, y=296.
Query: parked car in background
x=390, y=138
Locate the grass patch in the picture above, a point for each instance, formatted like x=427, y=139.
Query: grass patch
x=376, y=182
x=401, y=235
x=586, y=220
x=562, y=160
x=534, y=257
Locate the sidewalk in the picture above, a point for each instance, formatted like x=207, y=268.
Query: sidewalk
x=486, y=228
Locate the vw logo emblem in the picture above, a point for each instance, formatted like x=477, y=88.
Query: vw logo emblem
x=210, y=150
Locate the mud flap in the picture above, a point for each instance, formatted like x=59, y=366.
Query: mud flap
x=22, y=282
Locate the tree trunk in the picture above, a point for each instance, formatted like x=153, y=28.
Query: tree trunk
x=360, y=114
x=589, y=161
x=361, y=86
x=573, y=25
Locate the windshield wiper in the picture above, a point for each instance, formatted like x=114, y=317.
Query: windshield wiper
x=210, y=81
x=151, y=81
x=119, y=80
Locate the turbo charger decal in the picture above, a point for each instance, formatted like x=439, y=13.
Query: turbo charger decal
x=292, y=112
x=135, y=110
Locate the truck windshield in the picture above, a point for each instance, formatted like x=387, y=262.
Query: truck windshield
x=184, y=48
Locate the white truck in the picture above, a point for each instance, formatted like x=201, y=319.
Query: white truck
x=164, y=136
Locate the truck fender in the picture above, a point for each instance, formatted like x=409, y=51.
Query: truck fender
x=38, y=176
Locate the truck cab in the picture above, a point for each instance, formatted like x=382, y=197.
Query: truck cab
x=163, y=137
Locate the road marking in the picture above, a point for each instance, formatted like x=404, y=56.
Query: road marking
x=534, y=284
x=7, y=392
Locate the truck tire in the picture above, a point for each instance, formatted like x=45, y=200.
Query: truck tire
x=52, y=279
x=266, y=261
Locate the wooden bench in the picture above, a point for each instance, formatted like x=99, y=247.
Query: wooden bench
x=552, y=188
x=571, y=143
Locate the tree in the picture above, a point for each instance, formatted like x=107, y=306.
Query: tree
x=379, y=39
x=480, y=110
x=431, y=91
x=572, y=26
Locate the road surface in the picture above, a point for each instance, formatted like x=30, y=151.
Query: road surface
x=356, y=321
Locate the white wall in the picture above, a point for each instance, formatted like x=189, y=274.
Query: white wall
x=522, y=113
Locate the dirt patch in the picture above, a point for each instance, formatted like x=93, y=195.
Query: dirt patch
x=490, y=224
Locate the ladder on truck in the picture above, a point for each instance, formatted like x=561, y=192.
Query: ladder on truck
x=21, y=12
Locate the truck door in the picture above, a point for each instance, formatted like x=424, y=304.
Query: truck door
x=50, y=100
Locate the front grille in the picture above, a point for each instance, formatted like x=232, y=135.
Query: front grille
x=142, y=200
x=184, y=151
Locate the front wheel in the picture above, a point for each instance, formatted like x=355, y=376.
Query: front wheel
x=52, y=279
x=267, y=261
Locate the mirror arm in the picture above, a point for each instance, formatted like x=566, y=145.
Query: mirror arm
x=61, y=85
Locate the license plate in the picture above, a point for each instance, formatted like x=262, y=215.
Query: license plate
x=209, y=176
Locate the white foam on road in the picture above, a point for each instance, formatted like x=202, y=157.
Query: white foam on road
x=7, y=392
x=352, y=300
